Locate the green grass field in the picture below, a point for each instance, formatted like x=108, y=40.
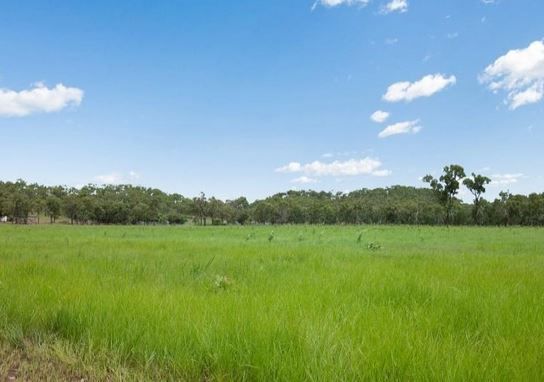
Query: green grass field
x=303, y=303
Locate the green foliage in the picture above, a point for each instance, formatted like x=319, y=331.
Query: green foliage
x=476, y=186
x=53, y=207
x=446, y=188
x=125, y=204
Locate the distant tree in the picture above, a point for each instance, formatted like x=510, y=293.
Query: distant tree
x=476, y=186
x=240, y=208
x=534, y=213
x=498, y=210
x=38, y=195
x=447, y=187
x=201, y=208
x=71, y=205
x=215, y=210
x=18, y=204
x=126, y=204
x=53, y=206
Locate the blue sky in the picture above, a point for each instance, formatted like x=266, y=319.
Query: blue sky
x=256, y=97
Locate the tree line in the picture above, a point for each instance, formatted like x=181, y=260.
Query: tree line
x=21, y=202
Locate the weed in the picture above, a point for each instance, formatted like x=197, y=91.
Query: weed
x=372, y=246
x=222, y=282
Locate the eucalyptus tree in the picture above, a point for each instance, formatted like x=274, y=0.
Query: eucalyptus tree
x=53, y=206
x=447, y=187
x=71, y=205
x=476, y=186
x=201, y=208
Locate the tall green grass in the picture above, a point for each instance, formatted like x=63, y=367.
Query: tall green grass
x=314, y=303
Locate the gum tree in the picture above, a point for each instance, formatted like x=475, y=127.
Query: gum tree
x=476, y=186
x=446, y=187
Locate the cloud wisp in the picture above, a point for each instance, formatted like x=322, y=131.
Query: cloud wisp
x=304, y=180
x=117, y=178
x=336, y=3
x=425, y=87
x=407, y=127
x=505, y=179
x=351, y=167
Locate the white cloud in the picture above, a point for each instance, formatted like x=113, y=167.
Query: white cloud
x=505, y=179
x=291, y=167
x=531, y=95
x=381, y=173
x=396, y=6
x=38, y=99
x=401, y=128
x=335, y=3
x=520, y=73
x=379, y=116
x=304, y=180
x=117, y=178
x=425, y=87
x=351, y=167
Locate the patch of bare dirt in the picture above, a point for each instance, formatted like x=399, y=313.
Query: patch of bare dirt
x=36, y=363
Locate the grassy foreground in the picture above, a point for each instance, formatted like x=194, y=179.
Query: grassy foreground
x=303, y=303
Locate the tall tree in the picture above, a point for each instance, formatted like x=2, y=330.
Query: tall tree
x=476, y=186
x=53, y=207
x=201, y=208
x=446, y=187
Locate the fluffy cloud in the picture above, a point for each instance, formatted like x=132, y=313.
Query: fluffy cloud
x=520, y=73
x=396, y=6
x=335, y=3
x=379, y=116
x=401, y=128
x=425, y=87
x=352, y=167
x=38, y=99
x=117, y=178
x=505, y=179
